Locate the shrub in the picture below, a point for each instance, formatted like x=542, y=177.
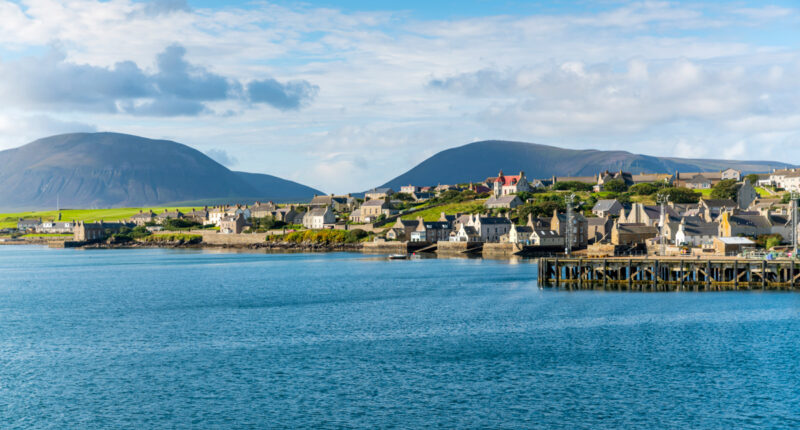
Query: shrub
x=616, y=185
x=175, y=237
x=572, y=186
x=725, y=189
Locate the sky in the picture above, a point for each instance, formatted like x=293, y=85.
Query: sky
x=345, y=95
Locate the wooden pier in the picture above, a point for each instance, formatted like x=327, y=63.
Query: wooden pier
x=669, y=274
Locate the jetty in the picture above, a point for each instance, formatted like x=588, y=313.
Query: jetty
x=669, y=274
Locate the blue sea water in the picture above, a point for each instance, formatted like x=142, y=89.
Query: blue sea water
x=157, y=338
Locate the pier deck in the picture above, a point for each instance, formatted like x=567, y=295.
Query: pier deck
x=664, y=273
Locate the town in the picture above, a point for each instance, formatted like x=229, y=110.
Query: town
x=608, y=214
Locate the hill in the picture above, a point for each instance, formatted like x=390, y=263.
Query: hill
x=103, y=170
x=479, y=160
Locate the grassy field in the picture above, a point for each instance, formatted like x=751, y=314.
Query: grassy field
x=764, y=193
x=8, y=220
x=432, y=214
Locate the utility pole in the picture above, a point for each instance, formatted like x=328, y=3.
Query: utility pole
x=793, y=195
x=569, y=199
x=662, y=199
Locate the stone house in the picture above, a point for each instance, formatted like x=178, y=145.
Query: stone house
x=520, y=234
x=318, y=218
x=746, y=194
x=28, y=224
x=504, y=185
x=142, y=217
x=607, y=207
x=691, y=231
x=646, y=214
x=88, y=232
x=490, y=228
x=355, y=216
x=579, y=228
x=197, y=215
x=506, y=201
x=163, y=216
x=288, y=215
x=546, y=238
x=632, y=234
x=232, y=224
x=402, y=228
x=378, y=193
x=712, y=208
x=431, y=231
x=737, y=223
x=344, y=203
x=465, y=233
x=663, y=178
x=731, y=245
x=604, y=177
x=372, y=209
x=409, y=189
x=262, y=210
x=599, y=229
x=419, y=196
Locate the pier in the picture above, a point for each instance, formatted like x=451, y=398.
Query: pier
x=669, y=274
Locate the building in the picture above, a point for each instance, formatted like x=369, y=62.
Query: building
x=344, y=203
x=431, y=231
x=701, y=180
x=355, y=216
x=731, y=245
x=465, y=233
x=604, y=177
x=607, y=207
x=143, y=217
x=646, y=214
x=738, y=223
x=579, y=229
x=372, y=209
x=520, y=234
x=409, y=189
x=262, y=210
x=691, y=231
x=504, y=185
x=746, y=194
x=632, y=234
x=56, y=227
x=378, y=193
x=288, y=215
x=419, y=196
x=653, y=178
x=232, y=224
x=88, y=232
x=163, y=216
x=318, y=218
x=199, y=216
x=599, y=229
x=402, y=229
x=490, y=229
x=506, y=201
x=28, y=224
x=710, y=209
x=546, y=238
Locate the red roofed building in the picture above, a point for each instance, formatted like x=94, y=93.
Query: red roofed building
x=504, y=185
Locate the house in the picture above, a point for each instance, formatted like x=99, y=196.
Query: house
x=731, y=245
x=344, y=203
x=355, y=216
x=632, y=234
x=215, y=214
x=409, y=189
x=646, y=214
x=263, y=210
x=419, y=196
x=691, y=231
x=738, y=223
x=763, y=180
x=604, y=177
x=698, y=182
x=199, y=216
x=288, y=215
x=607, y=207
x=546, y=238
x=318, y=218
x=163, y=216
x=504, y=185
x=704, y=180
x=745, y=194
x=28, y=224
x=520, y=234
x=479, y=188
x=642, y=178
x=579, y=230
x=712, y=208
x=731, y=173
x=506, y=201
x=431, y=231
x=378, y=193
x=56, y=227
x=142, y=217
x=788, y=179
x=372, y=209
x=402, y=228
x=465, y=233
x=490, y=228
x=87, y=232
x=232, y=224
x=599, y=229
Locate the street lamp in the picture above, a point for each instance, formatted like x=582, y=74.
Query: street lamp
x=569, y=199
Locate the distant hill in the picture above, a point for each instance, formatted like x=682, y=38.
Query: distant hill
x=479, y=160
x=103, y=170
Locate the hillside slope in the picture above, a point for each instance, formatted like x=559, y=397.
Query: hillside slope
x=99, y=170
x=479, y=160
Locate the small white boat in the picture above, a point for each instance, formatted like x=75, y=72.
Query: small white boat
x=398, y=257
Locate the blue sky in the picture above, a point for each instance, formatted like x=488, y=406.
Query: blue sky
x=345, y=95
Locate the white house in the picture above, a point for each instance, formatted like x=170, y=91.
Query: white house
x=317, y=218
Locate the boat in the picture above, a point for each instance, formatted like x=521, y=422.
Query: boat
x=398, y=257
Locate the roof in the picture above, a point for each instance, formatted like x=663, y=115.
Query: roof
x=597, y=221
x=470, y=230
x=719, y=203
x=505, y=180
x=523, y=229
x=494, y=220
x=318, y=211
x=637, y=229
x=546, y=233
x=379, y=191
x=757, y=221
x=504, y=200
x=436, y=225
x=374, y=202
x=735, y=240
x=605, y=205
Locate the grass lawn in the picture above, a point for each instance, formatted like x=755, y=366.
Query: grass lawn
x=433, y=213
x=9, y=220
x=764, y=193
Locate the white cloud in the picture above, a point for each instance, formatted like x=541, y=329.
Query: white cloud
x=388, y=90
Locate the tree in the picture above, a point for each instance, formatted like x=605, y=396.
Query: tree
x=681, y=195
x=725, y=189
x=752, y=178
x=644, y=189
x=615, y=185
x=572, y=186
